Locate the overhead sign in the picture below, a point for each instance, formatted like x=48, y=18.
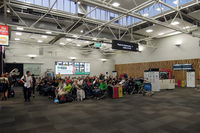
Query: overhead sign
x=122, y=45
x=4, y=33
x=182, y=66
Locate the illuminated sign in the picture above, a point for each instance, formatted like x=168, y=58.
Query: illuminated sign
x=4, y=32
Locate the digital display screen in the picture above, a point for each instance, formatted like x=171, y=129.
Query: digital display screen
x=122, y=45
x=72, y=68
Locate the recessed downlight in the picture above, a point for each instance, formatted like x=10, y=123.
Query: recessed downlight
x=40, y=41
x=149, y=30
x=160, y=34
x=62, y=43
x=20, y=28
x=116, y=4
x=48, y=32
x=175, y=23
x=18, y=33
x=17, y=39
x=44, y=36
x=68, y=39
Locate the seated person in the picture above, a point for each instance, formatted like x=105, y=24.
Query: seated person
x=79, y=91
x=68, y=87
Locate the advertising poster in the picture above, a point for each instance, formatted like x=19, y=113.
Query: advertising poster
x=4, y=35
x=72, y=68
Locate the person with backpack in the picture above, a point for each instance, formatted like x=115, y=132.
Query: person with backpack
x=4, y=83
x=28, y=82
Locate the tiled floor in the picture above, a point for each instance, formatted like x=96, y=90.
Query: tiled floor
x=166, y=112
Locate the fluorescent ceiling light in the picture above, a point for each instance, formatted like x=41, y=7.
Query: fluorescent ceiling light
x=145, y=15
x=115, y=4
x=160, y=34
x=73, y=58
x=40, y=41
x=87, y=41
x=78, y=45
x=149, y=30
x=175, y=23
x=32, y=55
x=18, y=33
x=43, y=36
x=68, y=39
x=62, y=43
x=49, y=32
x=17, y=39
x=186, y=27
x=20, y=28
x=174, y=33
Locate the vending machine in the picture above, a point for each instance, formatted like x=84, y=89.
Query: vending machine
x=191, y=78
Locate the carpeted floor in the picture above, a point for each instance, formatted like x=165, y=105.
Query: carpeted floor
x=175, y=111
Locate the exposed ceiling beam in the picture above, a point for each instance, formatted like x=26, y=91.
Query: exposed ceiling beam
x=178, y=10
x=133, y=14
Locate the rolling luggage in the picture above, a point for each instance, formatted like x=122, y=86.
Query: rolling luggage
x=120, y=92
x=115, y=92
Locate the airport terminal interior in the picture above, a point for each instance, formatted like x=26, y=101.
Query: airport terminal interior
x=99, y=66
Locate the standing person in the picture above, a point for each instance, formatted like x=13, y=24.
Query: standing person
x=4, y=83
x=27, y=80
x=10, y=83
x=34, y=83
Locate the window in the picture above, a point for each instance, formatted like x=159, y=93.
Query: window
x=93, y=15
x=60, y=5
x=45, y=3
x=30, y=1
x=67, y=5
x=73, y=7
x=98, y=14
x=103, y=15
x=51, y=4
x=38, y=2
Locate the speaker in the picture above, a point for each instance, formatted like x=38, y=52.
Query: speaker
x=41, y=51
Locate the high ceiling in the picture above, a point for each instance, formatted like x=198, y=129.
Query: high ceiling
x=76, y=30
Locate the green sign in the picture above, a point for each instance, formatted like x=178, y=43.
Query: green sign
x=97, y=45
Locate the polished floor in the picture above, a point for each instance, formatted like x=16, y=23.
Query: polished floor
x=174, y=111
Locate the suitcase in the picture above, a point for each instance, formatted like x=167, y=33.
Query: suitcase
x=115, y=92
x=120, y=92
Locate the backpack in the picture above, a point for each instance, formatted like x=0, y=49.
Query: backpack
x=62, y=99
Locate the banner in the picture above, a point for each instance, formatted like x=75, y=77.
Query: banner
x=4, y=35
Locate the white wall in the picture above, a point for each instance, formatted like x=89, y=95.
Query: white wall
x=165, y=49
x=17, y=53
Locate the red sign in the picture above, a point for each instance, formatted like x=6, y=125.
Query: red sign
x=4, y=30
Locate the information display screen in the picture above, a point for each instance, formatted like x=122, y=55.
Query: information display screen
x=121, y=45
x=72, y=68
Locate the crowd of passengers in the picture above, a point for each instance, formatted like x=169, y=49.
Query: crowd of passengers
x=84, y=87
